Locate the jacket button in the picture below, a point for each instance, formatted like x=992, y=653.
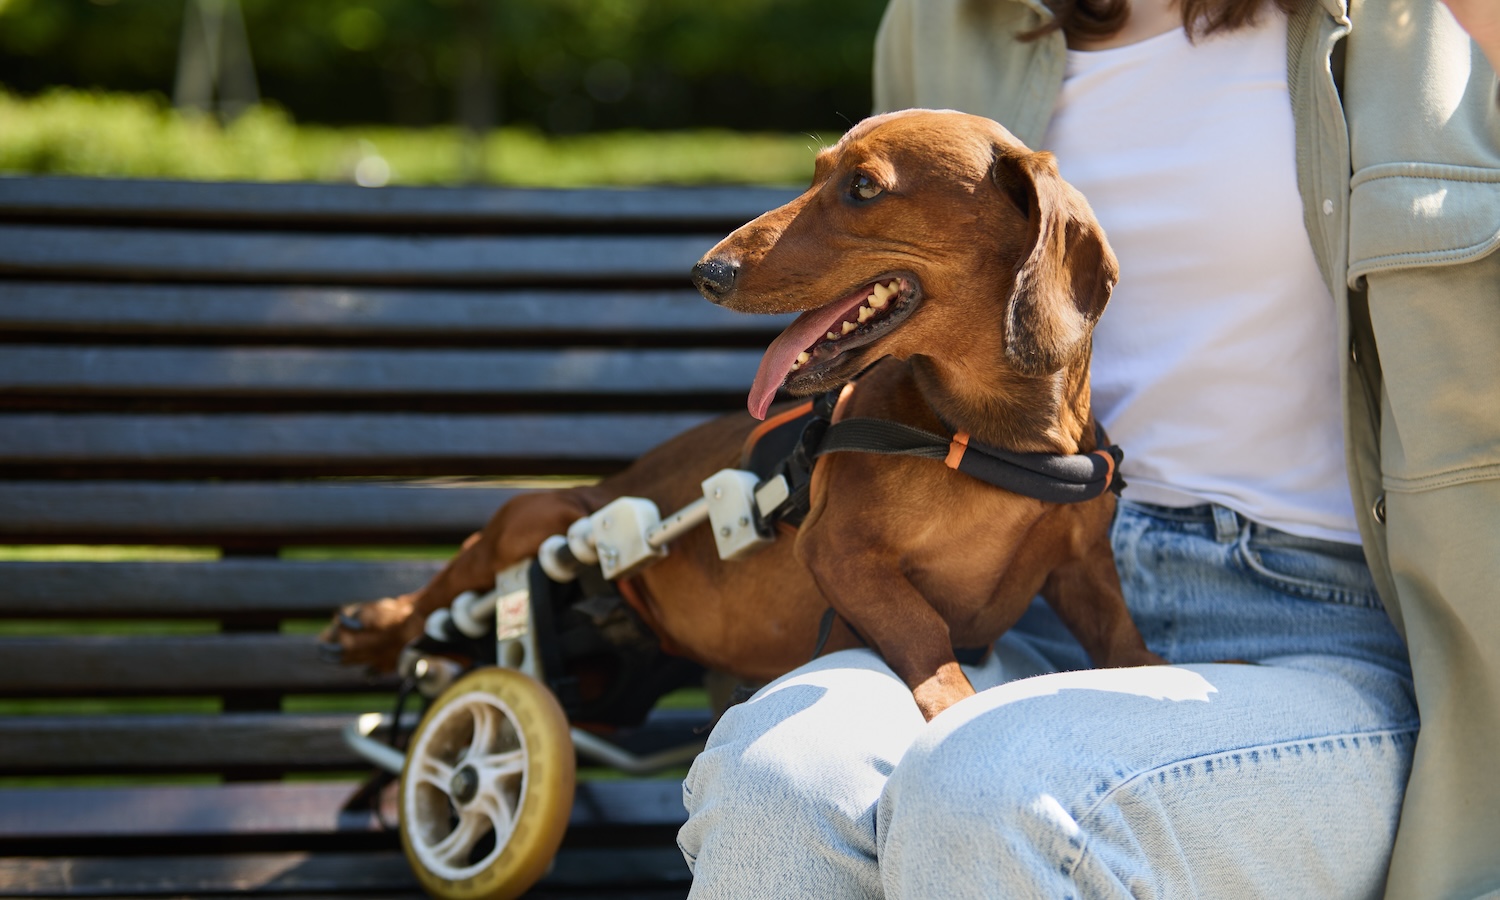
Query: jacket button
x=1379, y=508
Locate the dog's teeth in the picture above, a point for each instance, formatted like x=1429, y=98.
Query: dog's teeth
x=866, y=314
x=831, y=336
x=883, y=292
x=877, y=301
x=849, y=326
x=802, y=359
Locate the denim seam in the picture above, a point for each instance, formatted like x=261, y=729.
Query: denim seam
x=1320, y=591
x=1071, y=868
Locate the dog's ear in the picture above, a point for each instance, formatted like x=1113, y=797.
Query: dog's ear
x=1063, y=283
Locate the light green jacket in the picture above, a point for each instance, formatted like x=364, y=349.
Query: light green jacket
x=1394, y=92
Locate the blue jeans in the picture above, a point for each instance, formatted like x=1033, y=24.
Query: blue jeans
x=1279, y=778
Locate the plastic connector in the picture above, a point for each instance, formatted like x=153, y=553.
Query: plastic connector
x=732, y=513
x=557, y=559
x=622, y=536
x=581, y=541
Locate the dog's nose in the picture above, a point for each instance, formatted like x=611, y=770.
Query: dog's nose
x=714, y=278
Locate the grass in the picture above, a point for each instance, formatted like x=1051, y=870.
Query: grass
x=91, y=133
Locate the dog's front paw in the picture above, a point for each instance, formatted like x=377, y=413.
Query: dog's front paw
x=372, y=634
x=945, y=688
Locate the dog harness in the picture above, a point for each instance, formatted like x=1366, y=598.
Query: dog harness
x=790, y=443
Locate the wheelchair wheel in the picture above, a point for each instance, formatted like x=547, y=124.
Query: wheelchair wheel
x=487, y=787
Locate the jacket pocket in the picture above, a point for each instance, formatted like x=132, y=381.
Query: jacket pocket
x=1405, y=215
x=1434, y=306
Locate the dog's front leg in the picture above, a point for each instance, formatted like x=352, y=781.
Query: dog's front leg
x=908, y=633
x=872, y=595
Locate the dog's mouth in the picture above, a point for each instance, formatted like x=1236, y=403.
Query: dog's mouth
x=819, y=337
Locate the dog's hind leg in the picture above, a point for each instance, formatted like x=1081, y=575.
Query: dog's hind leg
x=374, y=633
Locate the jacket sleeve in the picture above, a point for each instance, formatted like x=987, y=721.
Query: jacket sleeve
x=1424, y=127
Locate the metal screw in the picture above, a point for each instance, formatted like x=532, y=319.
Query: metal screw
x=465, y=785
x=726, y=531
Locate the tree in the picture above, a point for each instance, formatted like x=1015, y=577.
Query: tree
x=562, y=65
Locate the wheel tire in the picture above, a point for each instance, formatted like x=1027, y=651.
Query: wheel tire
x=487, y=830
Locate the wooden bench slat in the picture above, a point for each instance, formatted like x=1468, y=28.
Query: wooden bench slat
x=401, y=443
x=281, y=372
x=227, y=587
x=174, y=665
x=174, y=743
x=195, y=513
x=315, y=257
x=271, y=808
x=578, y=873
x=146, y=199
x=136, y=743
x=392, y=314
x=250, y=808
x=369, y=874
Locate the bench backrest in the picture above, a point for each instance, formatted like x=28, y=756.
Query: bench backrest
x=222, y=374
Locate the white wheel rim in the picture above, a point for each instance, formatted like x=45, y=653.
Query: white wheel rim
x=466, y=782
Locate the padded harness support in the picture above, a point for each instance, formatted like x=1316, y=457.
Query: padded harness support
x=790, y=443
x=1050, y=477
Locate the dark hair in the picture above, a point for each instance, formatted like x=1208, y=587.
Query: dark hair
x=1099, y=19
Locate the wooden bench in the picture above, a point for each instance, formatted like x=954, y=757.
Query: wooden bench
x=242, y=384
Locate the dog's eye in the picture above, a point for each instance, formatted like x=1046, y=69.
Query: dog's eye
x=863, y=187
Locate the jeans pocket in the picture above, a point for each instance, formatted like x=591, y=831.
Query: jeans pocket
x=1325, y=571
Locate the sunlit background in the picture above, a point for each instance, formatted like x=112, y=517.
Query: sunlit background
x=536, y=92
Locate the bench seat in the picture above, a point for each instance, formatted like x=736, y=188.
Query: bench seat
x=228, y=409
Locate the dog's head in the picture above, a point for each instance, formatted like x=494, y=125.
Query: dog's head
x=924, y=233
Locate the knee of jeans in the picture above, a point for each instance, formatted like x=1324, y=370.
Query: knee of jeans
x=993, y=785
x=947, y=769
x=818, y=746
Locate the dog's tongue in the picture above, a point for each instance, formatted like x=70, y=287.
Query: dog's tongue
x=800, y=335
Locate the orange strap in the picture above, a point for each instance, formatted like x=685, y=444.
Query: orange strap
x=1109, y=462
x=956, y=449
x=801, y=409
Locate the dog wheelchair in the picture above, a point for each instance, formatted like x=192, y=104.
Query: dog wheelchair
x=488, y=774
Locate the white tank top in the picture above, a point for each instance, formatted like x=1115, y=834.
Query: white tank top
x=1216, y=362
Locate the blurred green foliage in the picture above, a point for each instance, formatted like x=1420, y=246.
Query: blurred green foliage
x=561, y=66
x=67, y=132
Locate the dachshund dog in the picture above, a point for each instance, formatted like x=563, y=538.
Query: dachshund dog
x=952, y=279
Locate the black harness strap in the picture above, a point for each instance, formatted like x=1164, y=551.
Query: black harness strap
x=1050, y=477
x=884, y=437
x=789, y=448
x=793, y=444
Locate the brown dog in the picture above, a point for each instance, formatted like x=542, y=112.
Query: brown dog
x=959, y=277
